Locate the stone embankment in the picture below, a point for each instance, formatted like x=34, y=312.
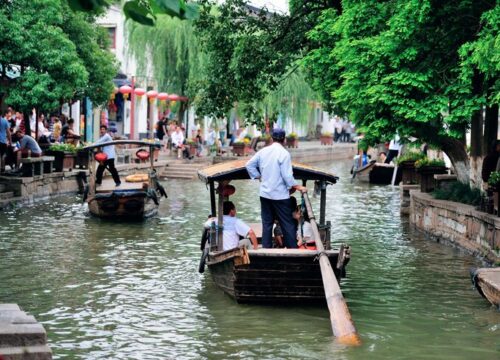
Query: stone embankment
x=21, y=336
x=457, y=224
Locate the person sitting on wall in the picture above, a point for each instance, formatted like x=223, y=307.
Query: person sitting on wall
x=178, y=141
x=491, y=161
x=382, y=156
x=28, y=145
x=68, y=135
x=233, y=229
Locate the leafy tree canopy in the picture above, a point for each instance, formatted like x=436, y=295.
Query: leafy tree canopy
x=57, y=52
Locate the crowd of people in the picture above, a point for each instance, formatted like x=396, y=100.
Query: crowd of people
x=15, y=143
x=344, y=130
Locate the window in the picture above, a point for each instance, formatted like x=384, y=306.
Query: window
x=112, y=36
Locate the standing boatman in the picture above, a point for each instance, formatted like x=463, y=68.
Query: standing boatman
x=273, y=166
x=109, y=163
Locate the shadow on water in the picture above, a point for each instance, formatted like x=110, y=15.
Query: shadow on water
x=107, y=290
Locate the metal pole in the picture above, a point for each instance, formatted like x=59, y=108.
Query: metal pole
x=132, y=110
x=322, y=206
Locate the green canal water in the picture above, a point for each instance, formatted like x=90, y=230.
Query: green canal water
x=132, y=291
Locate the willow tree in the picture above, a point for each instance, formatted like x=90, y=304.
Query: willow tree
x=171, y=49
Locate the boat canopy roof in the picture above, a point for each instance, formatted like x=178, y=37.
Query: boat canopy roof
x=235, y=170
x=122, y=142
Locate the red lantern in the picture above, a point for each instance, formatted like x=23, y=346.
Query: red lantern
x=152, y=94
x=173, y=97
x=125, y=90
x=139, y=92
x=162, y=96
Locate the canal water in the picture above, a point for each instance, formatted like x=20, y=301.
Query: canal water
x=132, y=291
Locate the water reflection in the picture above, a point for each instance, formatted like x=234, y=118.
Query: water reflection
x=108, y=290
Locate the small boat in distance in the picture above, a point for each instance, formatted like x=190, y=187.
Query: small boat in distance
x=137, y=197
x=377, y=173
x=269, y=275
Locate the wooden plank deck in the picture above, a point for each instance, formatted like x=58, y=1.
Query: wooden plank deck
x=108, y=185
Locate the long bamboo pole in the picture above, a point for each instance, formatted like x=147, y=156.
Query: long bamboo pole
x=342, y=326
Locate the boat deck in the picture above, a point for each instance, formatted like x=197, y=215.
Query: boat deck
x=108, y=185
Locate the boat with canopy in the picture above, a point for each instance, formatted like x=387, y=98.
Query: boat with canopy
x=137, y=197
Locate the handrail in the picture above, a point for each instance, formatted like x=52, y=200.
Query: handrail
x=121, y=142
x=340, y=319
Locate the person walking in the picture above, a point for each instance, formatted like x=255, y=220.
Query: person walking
x=272, y=165
x=109, y=163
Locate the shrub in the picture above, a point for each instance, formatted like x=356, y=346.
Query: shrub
x=494, y=179
x=63, y=147
x=326, y=133
x=429, y=162
x=410, y=156
x=292, y=135
x=459, y=192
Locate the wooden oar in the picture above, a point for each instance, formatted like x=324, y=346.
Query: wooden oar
x=340, y=318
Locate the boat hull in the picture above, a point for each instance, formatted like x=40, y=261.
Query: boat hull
x=377, y=173
x=272, y=275
x=136, y=205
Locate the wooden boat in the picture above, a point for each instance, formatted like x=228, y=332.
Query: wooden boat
x=487, y=282
x=377, y=173
x=131, y=200
x=269, y=275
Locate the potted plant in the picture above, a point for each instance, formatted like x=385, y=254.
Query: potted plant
x=407, y=164
x=64, y=156
x=192, y=146
x=241, y=147
x=426, y=169
x=493, y=189
x=326, y=138
x=292, y=140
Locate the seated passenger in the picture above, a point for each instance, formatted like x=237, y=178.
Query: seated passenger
x=234, y=228
x=305, y=236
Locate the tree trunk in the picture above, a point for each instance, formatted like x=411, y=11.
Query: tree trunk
x=455, y=150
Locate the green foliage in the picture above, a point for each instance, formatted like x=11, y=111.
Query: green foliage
x=459, y=192
x=143, y=12
x=425, y=161
x=249, y=59
x=494, y=179
x=59, y=53
x=394, y=66
x=410, y=156
x=69, y=148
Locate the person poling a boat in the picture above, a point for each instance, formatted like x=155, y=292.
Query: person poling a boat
x=109, y=163
x=234, y=228
x=273, y=167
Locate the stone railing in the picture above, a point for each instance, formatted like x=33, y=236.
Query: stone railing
x=458, y=224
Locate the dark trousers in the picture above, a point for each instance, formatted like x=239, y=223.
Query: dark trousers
x=392, y=154
x=110, y=164
x=281, y=210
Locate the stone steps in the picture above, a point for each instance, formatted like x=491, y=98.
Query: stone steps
x=183, y=169
x=6, y=195
x=21, y=337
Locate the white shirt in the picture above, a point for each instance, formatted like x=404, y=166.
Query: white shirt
x=177, y=138
x=307, y=231
x=108, y=150
x=211, y=137
x=274, y=166
x=233, y=229
x=394, y=145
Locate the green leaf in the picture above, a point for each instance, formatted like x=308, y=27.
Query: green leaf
x=192, y=12
x=169, y=7
x=136, y=11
